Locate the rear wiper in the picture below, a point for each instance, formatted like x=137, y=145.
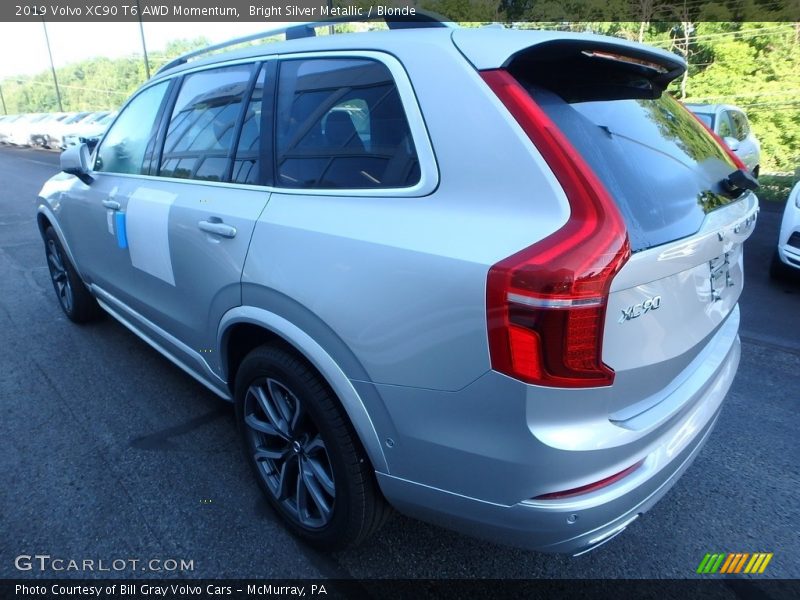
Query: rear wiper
x=739, y=181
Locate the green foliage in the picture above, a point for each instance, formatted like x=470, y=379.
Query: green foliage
x=92, y=84
x=753, y=65
x=775, y=188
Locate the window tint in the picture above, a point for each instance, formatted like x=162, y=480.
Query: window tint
x=247, y=162
x=201, y=129
x=132, y=134
x=740, y=126
x=341, y=124
x=660, y=166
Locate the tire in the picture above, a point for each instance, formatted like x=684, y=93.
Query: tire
x=778, y=270
x=305, y=454
x=73, y=296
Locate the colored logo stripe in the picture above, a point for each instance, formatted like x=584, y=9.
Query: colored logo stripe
x=734, y=562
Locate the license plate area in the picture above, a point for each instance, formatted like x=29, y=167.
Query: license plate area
x=720, y=277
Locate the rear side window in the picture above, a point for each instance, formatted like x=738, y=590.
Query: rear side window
x=341, y=125
x=200, y=135
x=740, y=127
x=725, y=128
x=132, y=135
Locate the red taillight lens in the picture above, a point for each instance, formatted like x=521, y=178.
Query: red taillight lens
x=546, y=304
x=731, y=154
x=592, y=487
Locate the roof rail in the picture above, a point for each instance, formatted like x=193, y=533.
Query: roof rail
x=422, y=19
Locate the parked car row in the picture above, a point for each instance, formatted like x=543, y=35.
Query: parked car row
x=54, y=130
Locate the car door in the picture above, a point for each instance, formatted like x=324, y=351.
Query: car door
x=188, y=227
x=89, y=211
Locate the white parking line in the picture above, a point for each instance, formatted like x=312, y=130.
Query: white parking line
x=39, y=162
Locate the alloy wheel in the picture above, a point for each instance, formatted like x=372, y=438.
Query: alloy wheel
x=290, y=454
x=59, y=275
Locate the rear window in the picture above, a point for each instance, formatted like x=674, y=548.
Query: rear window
x=659, y=164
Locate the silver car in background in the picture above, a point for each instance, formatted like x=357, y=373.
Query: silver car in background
x=448, y=270
x=731, y=124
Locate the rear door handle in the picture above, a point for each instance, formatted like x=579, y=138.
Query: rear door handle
x=217, y=227
x=111, y=204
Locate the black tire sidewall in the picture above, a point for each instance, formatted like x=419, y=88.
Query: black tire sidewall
x=281, y=365
x=79, y=300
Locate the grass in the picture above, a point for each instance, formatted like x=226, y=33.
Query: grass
x=775, y=187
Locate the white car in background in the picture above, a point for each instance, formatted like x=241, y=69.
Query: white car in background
x=57, y=131
x=90, y=133
x=786, y=260
x=731, y=124
x=39, y=132
x=6, y=123
x=21, y=130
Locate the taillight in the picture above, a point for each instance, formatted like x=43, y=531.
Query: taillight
x=546, y=304
x=731, y=154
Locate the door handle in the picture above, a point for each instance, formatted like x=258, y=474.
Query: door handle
x=217, y=227
x=111, y=204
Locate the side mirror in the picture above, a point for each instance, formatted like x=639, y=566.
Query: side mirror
x=75, y=161
x=732, y=143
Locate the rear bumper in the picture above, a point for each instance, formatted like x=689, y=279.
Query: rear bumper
x=560, y=527
x=568, y=525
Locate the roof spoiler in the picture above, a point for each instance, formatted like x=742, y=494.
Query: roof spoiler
x=573, y=64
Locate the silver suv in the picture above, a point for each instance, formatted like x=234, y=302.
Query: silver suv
x=488, y=277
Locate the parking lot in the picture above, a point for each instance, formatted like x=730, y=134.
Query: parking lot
x=109, y=451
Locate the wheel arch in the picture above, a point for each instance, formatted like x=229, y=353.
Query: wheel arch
x=44, y=219
x=245, y=327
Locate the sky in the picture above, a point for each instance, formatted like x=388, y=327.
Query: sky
x=24, y=52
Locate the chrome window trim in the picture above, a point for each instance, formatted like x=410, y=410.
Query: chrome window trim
x=429, y=170
x=221, y=184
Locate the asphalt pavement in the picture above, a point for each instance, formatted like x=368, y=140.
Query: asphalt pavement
x=109, y=452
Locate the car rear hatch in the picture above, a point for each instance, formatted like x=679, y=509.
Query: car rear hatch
x=666, y=305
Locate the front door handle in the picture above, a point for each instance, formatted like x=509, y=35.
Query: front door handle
x=111, y=204
x=217, y=227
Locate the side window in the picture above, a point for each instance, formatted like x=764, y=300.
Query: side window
x=132, y=135
x=341, y=125
x=740, y=125
x=247, y=162
x=725, y=128
x=200, y=133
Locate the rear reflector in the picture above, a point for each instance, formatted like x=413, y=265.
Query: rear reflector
x=731, y=154
x=592, y=487
x=546, y=304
